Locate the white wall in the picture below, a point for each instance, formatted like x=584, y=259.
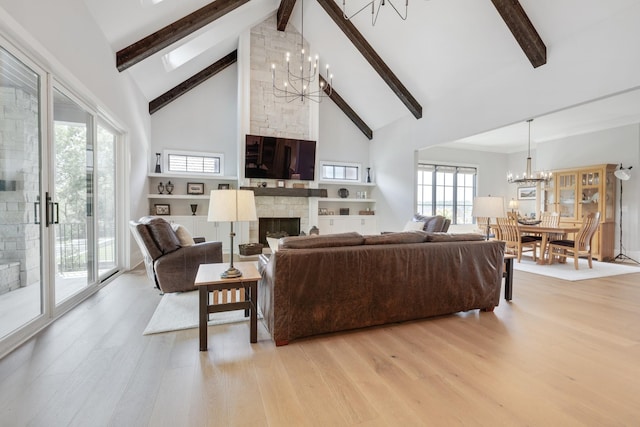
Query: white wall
x=573, y=75
x=203, y=119
x=340, y=139
x=63, y=37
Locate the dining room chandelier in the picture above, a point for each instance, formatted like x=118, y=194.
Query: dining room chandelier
x=376, y=5
x=303, y=82
x=529, y=177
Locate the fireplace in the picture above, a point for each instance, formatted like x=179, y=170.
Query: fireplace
x=277, y=227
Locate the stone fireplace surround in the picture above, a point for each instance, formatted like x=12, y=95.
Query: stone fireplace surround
x=280, y=207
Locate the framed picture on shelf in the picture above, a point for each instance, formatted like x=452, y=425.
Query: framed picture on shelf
x=224, y=186
x=195, y=187
x=280, y=183
x=162, y=209
x=526, y=193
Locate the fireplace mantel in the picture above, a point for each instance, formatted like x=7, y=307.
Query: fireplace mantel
x=287, y=192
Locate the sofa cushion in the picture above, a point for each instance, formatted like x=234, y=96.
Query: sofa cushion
x=162, y=233
x=183, y=235
x=413, y=225
x=416, y=236
x=321, y=241
x=453, y=237
x=431, y=223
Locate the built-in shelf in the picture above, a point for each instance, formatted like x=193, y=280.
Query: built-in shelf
x=348, y=200
x=178, y=196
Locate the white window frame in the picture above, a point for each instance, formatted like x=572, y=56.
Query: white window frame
x=167, y=152
x=324, y=163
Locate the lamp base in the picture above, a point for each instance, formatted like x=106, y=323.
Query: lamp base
x=622, y=257
x=231, y=273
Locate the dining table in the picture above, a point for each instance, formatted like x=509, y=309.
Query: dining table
x=544, y=232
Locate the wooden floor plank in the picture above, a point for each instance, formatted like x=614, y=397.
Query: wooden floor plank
x=561, y=353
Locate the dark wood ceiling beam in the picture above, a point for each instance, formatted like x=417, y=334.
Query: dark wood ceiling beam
x=349, y=30
x=284, y=13
x=346, y=109
x=192, y=82
x=170, y=34
x=523, y=30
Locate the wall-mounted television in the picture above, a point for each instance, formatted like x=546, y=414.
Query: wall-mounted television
x=279, y=158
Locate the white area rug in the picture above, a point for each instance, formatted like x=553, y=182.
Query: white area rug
x=179, y=310
x=568, y=272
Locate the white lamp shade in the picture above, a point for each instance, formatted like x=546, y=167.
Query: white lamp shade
x=513, y=204
x=490, y=207
x=232, y=205
x=623, y=174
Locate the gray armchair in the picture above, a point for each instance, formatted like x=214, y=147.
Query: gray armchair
x=170, y=265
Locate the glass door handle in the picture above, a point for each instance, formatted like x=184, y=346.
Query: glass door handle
x=47, y=211
x=52, y=211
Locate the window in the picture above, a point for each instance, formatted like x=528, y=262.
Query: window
x=446, y=190
x=194, y=163
x=338, y=171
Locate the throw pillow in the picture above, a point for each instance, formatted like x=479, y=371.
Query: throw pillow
x=416, y=236
x=322, y=241
x=183, y=235
x=273, y=244
x=413, y=225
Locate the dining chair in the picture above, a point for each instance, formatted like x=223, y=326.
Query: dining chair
x=581, y=246
x=548, y=219
x=515, y=241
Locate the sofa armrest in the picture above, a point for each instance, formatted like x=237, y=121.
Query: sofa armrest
x=176, y=271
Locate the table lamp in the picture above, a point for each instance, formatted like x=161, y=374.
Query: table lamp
x=489, y=207
x=513, y=205
x=232, y=206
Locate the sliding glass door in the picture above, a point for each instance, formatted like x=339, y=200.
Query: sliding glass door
x=21, y=243
x=59, y=235
x=72, y=203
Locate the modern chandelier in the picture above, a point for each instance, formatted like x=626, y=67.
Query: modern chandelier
x=528, y=177
x=300, y=82
x=375, y=10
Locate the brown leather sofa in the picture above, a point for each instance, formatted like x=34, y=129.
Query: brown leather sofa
x=171, y=264
x=318, y=284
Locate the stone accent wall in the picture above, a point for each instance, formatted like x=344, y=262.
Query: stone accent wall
x=271, y=116
x=20, y=172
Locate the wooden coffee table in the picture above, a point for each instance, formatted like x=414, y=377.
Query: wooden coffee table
x=208, y=280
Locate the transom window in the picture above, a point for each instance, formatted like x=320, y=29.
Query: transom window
x=194, y=163
x=446, y=190
x=338, y=171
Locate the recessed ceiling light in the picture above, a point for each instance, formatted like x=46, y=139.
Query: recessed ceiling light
x=149, y=2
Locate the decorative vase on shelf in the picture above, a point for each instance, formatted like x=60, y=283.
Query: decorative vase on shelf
x=193, y=209
x=158, y=163
x=368, y=175
x=160, y=188
x=169, y=187
x=343, y=193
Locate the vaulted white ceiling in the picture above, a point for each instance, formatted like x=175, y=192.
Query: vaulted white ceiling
x=443, y=47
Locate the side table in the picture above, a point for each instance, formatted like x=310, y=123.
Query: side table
x=208, y=280
x=508, y=276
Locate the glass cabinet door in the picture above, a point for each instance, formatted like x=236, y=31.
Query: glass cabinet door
x=567, y=194
x=590, y=192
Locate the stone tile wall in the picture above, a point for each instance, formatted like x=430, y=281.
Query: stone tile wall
x=20, y=166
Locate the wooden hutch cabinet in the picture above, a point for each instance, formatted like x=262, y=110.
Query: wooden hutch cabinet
x=577, y=192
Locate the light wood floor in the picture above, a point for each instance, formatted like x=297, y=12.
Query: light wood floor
x=561, y=354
